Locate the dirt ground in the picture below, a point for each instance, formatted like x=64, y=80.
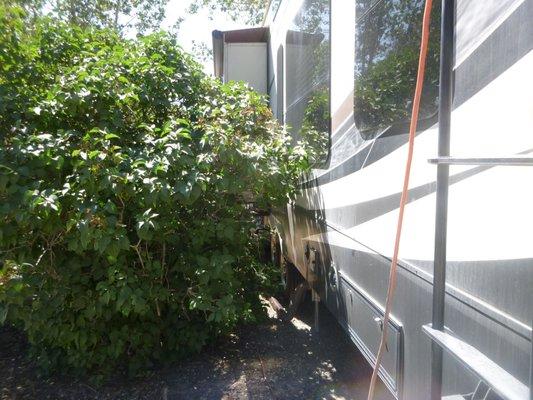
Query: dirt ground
x=274, y=360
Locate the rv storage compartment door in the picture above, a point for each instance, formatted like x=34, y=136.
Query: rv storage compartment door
x=363, y=321
x=246, y=62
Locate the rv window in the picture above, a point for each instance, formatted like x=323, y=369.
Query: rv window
x=308, y=77
x=387, y=41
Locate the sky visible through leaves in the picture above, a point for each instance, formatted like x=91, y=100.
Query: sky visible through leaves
x=194, y=29
x=197, y=28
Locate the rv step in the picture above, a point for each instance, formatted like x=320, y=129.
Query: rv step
x=501, y=382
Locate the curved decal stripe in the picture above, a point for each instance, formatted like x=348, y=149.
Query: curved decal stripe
x=474, y=74
x=497, y=121
x=356, y=214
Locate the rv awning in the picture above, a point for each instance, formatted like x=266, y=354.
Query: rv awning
x=250, y=35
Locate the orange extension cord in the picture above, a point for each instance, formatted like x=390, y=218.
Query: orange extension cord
x=403, y=200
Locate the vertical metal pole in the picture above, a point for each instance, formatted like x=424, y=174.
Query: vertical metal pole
x=316, y=302
x=441, y=218
x=531, y=370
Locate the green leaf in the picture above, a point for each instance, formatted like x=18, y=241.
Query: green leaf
x=185, y=133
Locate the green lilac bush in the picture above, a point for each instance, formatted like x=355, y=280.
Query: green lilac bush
x=126, y=178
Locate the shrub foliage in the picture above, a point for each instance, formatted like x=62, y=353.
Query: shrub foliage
x=125, y=178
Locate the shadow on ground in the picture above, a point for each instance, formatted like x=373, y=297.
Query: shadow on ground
x=275, y=360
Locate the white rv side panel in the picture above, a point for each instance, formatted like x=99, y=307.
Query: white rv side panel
x=246, y=62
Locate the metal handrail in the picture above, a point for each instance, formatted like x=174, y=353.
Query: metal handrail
x=479, y=161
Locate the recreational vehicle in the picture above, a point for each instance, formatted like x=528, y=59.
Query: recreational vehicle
x=340, y=75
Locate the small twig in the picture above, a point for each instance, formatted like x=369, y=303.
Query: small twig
x=122, y=209
x=265, y=378
x=41, y=257
x=89, y=387
x=262, y=368
x=136, y=247
x=185, y=312
x=14, y=248
x=157, y=308
x=163, y=255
